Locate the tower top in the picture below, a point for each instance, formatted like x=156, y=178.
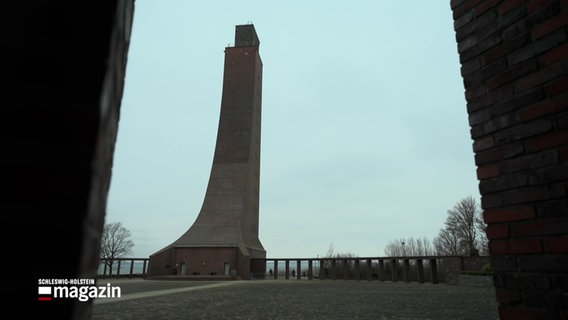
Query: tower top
x=245, y=36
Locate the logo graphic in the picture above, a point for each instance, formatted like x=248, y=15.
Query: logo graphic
x=44, y=293
x=80, y=289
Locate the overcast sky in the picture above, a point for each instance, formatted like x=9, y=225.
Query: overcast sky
x=365, y=137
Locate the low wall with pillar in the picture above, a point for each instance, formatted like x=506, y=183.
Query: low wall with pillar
x=433, y=269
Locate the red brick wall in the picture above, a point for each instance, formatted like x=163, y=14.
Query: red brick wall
x=514, y=57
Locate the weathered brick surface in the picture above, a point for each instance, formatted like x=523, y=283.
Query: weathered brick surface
x=514, y=57
x=497, y=231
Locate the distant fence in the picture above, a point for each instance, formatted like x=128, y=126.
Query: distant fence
x=123, y=267
x=433, y=269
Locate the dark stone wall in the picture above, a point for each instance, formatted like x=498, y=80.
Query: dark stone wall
x=514, y=65
x=63, y=72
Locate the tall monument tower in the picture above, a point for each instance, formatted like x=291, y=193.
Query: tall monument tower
x=224, y=236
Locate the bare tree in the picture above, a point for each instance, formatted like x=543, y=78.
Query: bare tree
x=483, y=241
x=409, y=247
x=344, y=261
x=115, y=243
x=464, y=230
x=394, y=248
x=447, y=243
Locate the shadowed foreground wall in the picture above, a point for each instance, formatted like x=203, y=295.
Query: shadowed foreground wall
x=514, y=66
x=63, y=72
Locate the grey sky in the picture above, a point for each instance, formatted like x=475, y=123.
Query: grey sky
x=365, y=136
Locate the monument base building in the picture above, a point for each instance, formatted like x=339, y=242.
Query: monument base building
x=224, y=237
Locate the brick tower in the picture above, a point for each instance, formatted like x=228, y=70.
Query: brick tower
x=224, y=236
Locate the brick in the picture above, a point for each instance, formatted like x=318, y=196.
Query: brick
x=559, y=281
x=540, y=227
x=481, y=46
x=482, y=143
x=530, y=161
x=467, y=43
x=463, y=7
x=463, y=20
x=561, y=121
x=491, y=201
x=498, y=153
x=556, y=87
x=487, y=171
x=563, y=154
x=474, y=92
x=504, y=182
x=503, y=264
x=539, y=16
x=455, y=3
x=544, y=108
x=550, y=174
x=512, y=74
x=494, y=96
x=551, y=25
x=519, y=101
x=509, y=214
x=533, y=194
x=542, y=76
x=506, y=47
x=547, y=141
x=535, y=5
x=507, y=6
x=519, y=281
x=516, y=14
x=495, y=124
x=497, y=231
x=507, y=296
x=493, y=68
x=558, y=244
x=554, y=55
x=525, y=246
x=507, y=312
x=484, y=6
x=479, y=117
x=498, y=247
x=470, y=66
x=549, y=300
x=549, y=263
x=473, y=79
x=552, y=209
x=522, y=131
x=535, y=48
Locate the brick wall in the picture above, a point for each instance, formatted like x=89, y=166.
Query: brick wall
x=514, y=63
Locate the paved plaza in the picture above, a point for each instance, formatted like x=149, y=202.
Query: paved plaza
x=294, y=299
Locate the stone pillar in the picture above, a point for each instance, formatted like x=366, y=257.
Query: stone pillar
x=420, y=267
x=275, y=269
x=394, y=267
x=434, y=271
x=406, y=270
x=381, y=270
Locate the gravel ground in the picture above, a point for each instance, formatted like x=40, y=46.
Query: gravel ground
x=296, y=299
